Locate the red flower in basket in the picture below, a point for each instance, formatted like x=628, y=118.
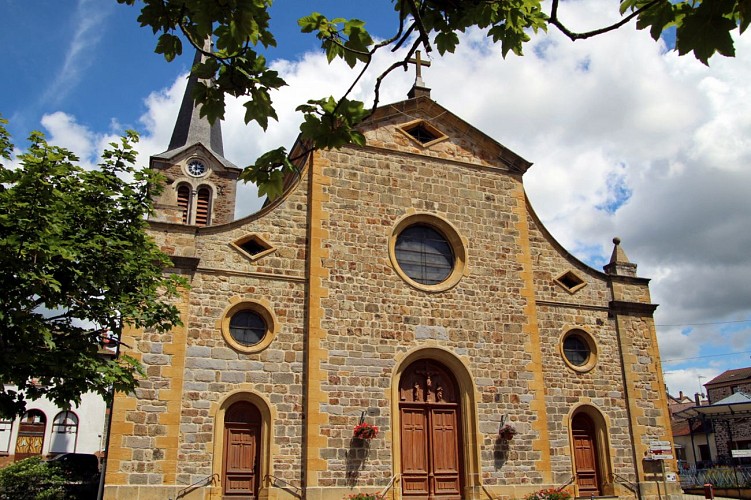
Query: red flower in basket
x=364, y=430
x=507, y=432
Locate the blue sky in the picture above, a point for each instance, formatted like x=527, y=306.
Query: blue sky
x=627, y=139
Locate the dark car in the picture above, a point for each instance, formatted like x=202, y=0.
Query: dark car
x=81, y=472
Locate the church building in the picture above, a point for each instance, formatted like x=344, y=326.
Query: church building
x=398, y=322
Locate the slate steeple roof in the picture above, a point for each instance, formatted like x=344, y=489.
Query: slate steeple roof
x=190, y=128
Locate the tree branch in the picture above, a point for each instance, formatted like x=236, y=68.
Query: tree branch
x=580, y=36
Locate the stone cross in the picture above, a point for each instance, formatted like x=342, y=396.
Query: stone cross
x=418, y=62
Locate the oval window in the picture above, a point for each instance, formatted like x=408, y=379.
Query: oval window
x=579, y=350
x=576, y=350
x=247, y=327
x=424, y=254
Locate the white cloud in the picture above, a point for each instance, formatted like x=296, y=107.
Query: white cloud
x=90, y=26
x=63, y=130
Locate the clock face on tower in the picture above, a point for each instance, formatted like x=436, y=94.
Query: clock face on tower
x=196, y=168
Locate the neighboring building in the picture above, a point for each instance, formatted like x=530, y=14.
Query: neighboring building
x=407, y=284
x=728, y=383
x=723, y=424
x=46, y=430
x=693, y=437
x=731, y=392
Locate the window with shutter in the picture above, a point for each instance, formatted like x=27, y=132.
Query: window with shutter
x=203, y=207
x=183, y=201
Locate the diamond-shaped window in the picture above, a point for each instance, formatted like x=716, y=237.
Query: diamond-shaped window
x=422, y=132
x=570, y=281
x=253, y=246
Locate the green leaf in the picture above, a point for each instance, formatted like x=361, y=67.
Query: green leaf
x=169, y=45
x=706, y=30
x=446, y=42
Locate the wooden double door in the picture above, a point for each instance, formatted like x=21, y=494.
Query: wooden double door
x=585, y=455
x=242, y=451
x=430, y=433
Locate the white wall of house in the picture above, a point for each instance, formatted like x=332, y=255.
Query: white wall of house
x=79, y=431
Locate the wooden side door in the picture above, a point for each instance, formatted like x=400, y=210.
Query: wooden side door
x=242, y=428
x=585, y=456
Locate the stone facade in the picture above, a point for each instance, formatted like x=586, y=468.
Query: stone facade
x=347, y=323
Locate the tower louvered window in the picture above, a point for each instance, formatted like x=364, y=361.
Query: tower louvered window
x=183, y=201
x=203, y=206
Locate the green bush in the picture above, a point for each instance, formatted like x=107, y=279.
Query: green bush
x=362, y=496
x=31, y=479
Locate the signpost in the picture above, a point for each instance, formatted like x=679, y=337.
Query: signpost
x=740, y=453
x=660, y=450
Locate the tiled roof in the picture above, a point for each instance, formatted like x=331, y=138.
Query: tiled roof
x=731, y=376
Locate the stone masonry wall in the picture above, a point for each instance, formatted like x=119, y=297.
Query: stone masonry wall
x=603, y=386
x=209, y=369
x=373, y=317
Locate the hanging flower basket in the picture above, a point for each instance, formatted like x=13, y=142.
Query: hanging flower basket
x=507, y=432
x=366, y=431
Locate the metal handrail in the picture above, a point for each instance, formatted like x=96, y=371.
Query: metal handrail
x=486, y=491
x=287, y=485
x=561, y=487
x=625, y=482
x=390, y=485
x=198, y=484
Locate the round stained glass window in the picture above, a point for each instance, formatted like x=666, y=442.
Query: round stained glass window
x=247, y=327
x=424, y=254
x=576, y=349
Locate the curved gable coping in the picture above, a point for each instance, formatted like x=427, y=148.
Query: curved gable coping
x=218, y=228
x=565, y=253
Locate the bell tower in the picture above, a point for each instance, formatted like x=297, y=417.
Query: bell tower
x=201, y=184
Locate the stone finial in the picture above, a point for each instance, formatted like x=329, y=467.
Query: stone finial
x=619, y=264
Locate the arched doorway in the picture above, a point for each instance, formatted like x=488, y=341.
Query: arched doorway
x=242, y=450
x=430, y=417
x=588, y=473
x=30, y=439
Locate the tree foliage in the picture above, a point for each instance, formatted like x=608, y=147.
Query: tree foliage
x=31, y=479
x=76, y=266
x=241, y=31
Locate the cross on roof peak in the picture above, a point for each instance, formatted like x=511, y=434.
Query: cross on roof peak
x=419, y=63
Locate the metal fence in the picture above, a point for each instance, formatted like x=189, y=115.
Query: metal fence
x=720, y=477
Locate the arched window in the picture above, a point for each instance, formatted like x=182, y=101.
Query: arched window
x=203, y=206
x=31, y=434
x=183, y=201
x=64, y=432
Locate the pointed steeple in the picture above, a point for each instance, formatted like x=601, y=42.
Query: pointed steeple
x=190, y=128
x=619, y=264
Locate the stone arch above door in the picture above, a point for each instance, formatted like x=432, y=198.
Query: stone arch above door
x=590, y=451
x=232, y=409
x=462, y=391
